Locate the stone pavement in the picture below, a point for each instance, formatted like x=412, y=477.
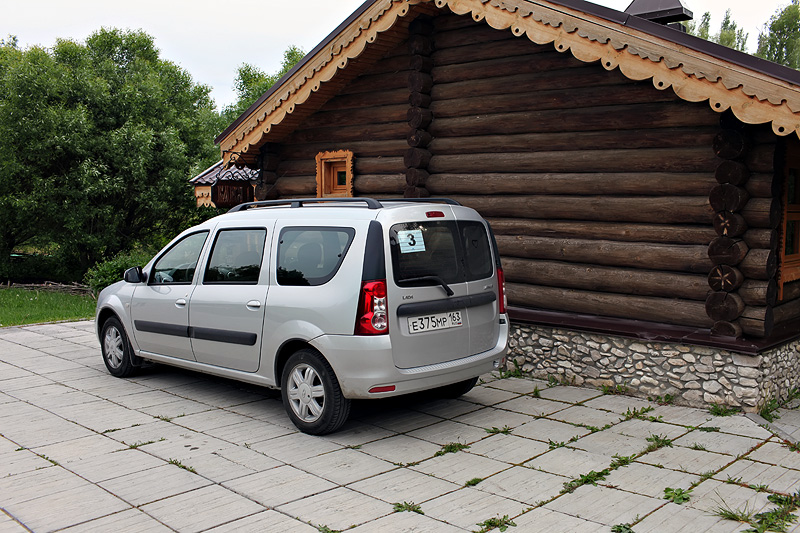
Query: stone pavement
x=171, y=450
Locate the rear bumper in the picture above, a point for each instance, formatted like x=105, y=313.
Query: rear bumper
x=362, y=363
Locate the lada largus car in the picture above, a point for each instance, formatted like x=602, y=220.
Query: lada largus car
x=329, y=300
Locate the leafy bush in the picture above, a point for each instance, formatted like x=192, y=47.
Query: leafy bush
x=104, y=273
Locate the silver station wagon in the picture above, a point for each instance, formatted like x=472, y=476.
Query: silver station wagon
x=327, y=299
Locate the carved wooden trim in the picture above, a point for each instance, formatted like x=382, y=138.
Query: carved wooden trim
x=753, y=97
x=325, y=173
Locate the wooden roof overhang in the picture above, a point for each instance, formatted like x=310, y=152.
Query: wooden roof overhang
x=756, y=91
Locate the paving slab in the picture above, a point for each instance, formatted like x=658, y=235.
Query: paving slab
x=81, y=450
x=202, y=508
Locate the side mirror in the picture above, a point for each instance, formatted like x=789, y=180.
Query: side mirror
x=135, y=275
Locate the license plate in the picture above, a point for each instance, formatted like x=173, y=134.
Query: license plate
x=419, y=324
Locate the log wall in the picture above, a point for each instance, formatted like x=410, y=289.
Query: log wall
x=597, y=187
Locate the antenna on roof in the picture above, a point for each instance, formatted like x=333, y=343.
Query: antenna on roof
x=666, y=12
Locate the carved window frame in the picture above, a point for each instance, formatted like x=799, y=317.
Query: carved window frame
x=334, y=174
x=789, y=265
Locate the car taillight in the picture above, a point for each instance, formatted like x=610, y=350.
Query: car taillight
x=501, y=291
x=372, y=318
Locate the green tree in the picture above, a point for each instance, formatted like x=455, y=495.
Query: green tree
x=780, y=39
x=99, y=140
x=251, y=82
x=729, y=35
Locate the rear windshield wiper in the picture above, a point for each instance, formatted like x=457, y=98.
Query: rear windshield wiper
x=436, y=279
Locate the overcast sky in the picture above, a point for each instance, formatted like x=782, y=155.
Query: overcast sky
x=211, y=39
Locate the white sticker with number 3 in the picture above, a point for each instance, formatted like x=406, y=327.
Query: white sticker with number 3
x=411, y=241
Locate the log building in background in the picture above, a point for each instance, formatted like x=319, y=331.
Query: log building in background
x=640, y=181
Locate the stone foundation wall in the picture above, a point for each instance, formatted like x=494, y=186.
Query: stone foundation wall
x=692, y=375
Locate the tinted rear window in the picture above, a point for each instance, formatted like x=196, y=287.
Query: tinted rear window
x=311, y=256
x=454, y=251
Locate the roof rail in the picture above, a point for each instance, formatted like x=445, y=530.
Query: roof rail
x=300, y=202
x=449, y=201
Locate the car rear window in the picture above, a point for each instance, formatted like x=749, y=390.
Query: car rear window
x=311, y=256
x=455, y=251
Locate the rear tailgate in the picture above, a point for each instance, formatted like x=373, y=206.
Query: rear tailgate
x=441, y=290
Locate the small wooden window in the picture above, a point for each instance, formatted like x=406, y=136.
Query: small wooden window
x=335, y=173
x=789, y=269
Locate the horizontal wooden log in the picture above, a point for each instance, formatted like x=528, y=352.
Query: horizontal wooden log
x=377, y=82
x=727, y=197
x=641, y=160
x=663, y=257
x=502, y=66
x=600, y=183
x=759, y=264
x=605, y=279
x=763, y=186
x=761, y=238
x=469, y=35
x=416, y=158
x=759, y=293
x=726, y=329
x=599, y=118
x=576, y=140
x=730, y=144
x=733, y=172
x=667, y=210
x=375, y=132
x=419, y=117
x=662, y=310
x=725, y=306
x=613, y=231
x=365, y=115
x=757, y=321
x=791, y=291
x=725, y=278
x=369, y=184
x=391, y=63
x=481, y=50
x=393, y=148
x=761, y=158
x=581, y=76
x=296, y=186
x=787, y=312
x=729, y=224
x=727, y=251
x=762, y=213
x=367, y=99
x=562, y=98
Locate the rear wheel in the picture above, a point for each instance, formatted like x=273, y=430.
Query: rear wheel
x=116, y=349
x=456, y=389
x=311, y=394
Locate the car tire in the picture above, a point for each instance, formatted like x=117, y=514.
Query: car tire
x=311, y=394
x=116, y=349
x=455, y=390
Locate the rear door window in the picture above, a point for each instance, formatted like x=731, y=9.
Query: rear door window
x=456, y=252
x=311, y=256
x=236, y=256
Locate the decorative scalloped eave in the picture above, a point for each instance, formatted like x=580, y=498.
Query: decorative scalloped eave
x=754, y=98
x=349, y=44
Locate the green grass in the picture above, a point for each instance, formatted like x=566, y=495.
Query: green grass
x=22, y=306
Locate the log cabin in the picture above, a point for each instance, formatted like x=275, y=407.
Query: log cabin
x=642, y=183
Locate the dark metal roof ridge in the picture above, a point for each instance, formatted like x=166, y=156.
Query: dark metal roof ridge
x=748, y=61
x=300, y=64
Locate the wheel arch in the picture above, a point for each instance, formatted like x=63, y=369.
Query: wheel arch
x=285, y=352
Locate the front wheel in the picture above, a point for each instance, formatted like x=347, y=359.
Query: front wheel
x=311, y=394
x=116, y=349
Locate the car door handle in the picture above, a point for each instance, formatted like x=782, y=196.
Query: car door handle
x=180, y=302
x=253, y=304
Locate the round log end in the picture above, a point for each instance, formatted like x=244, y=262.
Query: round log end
x=730, y=144
x=723, y=328
x=724, y=306
x=733, y=172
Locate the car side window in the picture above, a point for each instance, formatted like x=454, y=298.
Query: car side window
x=178, y=264
x=311, y=256
x=236, y=256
